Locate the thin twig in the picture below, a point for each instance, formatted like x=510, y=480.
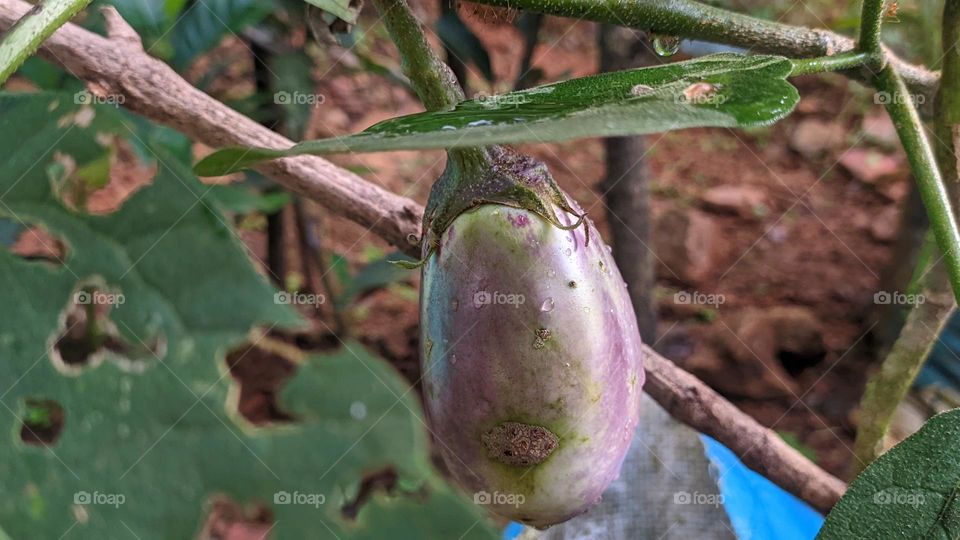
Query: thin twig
x=154, y=90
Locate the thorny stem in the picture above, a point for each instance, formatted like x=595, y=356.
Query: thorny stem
x=846, y=60
x=932, y=189
x=431, y=78
x=871, y=16
x=890, y=385
x=24, y=37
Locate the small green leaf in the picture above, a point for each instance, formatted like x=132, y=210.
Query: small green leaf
x=725, y=90
x=375, y=275
x=339, y=8
x=245, y=200
x=912, y=491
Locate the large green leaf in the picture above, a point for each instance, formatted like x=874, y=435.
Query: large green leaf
x=912, y=491
x=147, y=441
x=720, y=90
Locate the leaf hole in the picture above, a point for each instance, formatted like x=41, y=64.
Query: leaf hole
x=384, y=480
x=36, y=243
x=102, y=185
x=259, y=375
x=229, y=520
x=42, y=422
x=87, y=335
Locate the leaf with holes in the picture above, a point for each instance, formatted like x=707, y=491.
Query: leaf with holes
x=912, y=491
x=119, y=411
x=725, y=90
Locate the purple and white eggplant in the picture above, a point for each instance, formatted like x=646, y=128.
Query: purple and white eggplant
x=530, y=350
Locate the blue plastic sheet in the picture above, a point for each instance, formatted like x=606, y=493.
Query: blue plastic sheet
x=758, y=508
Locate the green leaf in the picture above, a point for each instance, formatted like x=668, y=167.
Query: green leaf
x=147, y=441
x=245, y=200
x=912, y=491
x=720, y=90
x=375, y=275
x=458, y=37
x=203, y=25
x=294, y=90
x=339, y=8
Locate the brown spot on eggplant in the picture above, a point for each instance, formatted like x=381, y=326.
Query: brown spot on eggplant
x=518, y=444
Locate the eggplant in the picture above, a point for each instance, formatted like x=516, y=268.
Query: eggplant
x=531, y=357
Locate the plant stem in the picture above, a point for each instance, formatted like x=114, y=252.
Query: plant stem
x=687, y=18
x=899, y=105
x=24, y=37
x=871, y=16
x=890, y=385
x=845, y=60
x=432, y=80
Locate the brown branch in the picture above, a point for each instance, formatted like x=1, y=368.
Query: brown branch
x=691, y=401
x=121, y=66
x=118, y=65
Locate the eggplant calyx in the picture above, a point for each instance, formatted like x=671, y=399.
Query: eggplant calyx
x=493, y=175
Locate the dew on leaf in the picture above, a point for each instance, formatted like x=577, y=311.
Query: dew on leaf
x=666, y=45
